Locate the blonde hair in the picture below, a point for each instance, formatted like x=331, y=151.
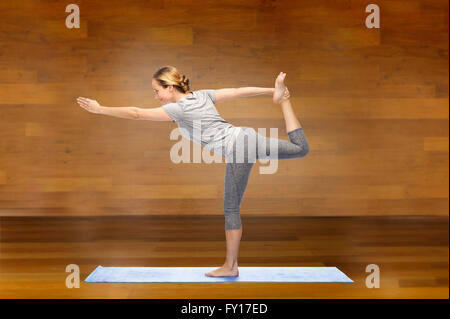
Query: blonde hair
x=169, y=75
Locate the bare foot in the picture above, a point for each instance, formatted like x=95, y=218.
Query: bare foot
x=279, y=88
x=224, y=271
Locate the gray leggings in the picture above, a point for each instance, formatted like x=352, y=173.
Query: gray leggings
x=238, y=170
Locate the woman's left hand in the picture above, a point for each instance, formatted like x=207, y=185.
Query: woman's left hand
x=286, y=95
x=90, y=105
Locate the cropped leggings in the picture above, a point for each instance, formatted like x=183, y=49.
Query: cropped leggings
x=249, y=147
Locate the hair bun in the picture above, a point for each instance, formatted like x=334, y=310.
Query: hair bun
x=185, y=83
x=184, y=79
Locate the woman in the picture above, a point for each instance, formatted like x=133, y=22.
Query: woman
x=194, y=111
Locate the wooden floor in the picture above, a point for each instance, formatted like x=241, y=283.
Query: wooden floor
x=411, y=252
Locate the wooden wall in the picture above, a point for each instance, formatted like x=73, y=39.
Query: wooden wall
x=373, y=104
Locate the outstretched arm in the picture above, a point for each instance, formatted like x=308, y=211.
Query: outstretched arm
x=125, y=112
x=129, y=112
x=226, y=94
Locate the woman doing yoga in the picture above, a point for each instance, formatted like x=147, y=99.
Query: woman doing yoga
x=194, y=111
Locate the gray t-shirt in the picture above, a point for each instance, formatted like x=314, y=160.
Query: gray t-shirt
x=204, y=125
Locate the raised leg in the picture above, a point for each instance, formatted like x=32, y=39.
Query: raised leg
x=291, y=121
x=281, y=96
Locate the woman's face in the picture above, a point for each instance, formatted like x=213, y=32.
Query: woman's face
x=164, y=95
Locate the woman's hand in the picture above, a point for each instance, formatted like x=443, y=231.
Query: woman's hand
x=89, y=105
x=286, y=95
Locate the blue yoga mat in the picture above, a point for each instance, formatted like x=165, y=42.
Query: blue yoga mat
x=197, y=274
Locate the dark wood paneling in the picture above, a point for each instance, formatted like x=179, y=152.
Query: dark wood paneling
x=373, y=104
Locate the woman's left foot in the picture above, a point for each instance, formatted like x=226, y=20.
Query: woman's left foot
x=279, y=88
x=224, y=271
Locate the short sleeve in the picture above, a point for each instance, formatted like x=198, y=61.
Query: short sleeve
x=174, y=110
x=211, y=94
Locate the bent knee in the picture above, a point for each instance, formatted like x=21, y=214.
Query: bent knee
x=303, y=151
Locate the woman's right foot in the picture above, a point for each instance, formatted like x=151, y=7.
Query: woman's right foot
x=279, y=88
x=224, y=271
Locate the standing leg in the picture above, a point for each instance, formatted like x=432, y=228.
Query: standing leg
x=236, y=180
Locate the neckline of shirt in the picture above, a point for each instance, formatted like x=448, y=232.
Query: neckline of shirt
x=187, y=97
